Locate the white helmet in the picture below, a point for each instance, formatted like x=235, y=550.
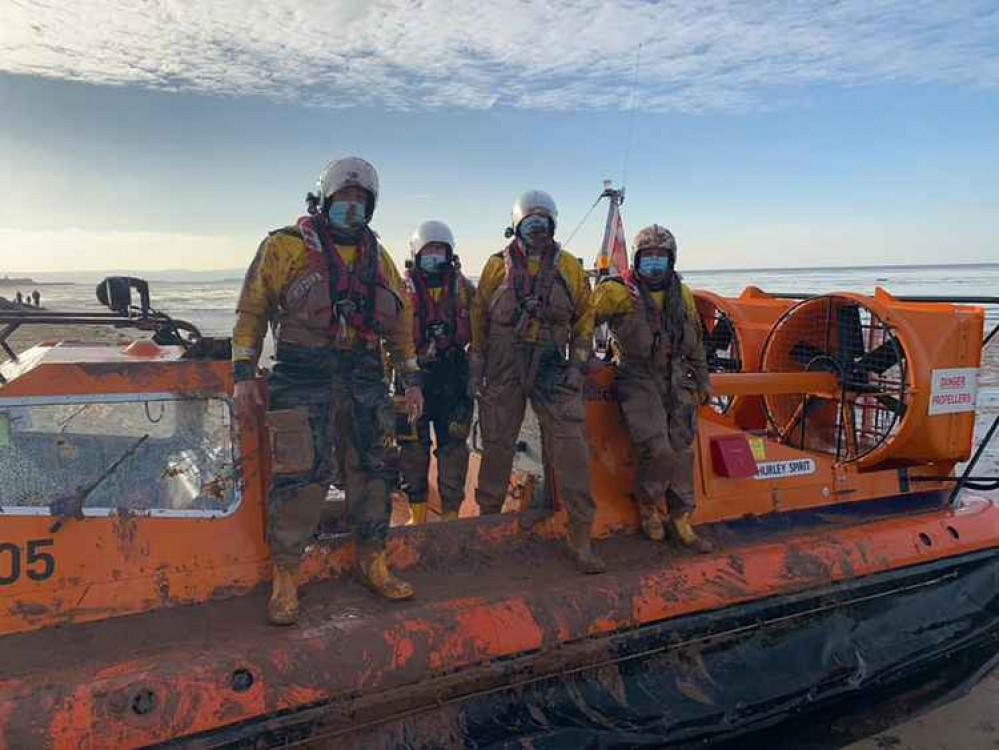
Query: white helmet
x=533, y=202
x=430, y=231
x=351, y=170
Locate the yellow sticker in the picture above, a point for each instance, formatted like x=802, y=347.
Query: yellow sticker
x=759, y=448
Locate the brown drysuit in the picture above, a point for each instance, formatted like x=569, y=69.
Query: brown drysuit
x=661, y=378
x=531, y=328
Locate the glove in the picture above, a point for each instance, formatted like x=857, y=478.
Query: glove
x=476, y=371
x=249, y=396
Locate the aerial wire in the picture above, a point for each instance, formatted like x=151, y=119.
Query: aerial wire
x=631, y=117
x=628, y=142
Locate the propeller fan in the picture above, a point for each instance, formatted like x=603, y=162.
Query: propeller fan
x=721, y=349
x=840, y=336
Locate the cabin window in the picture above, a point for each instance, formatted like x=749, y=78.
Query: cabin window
x=154, y=454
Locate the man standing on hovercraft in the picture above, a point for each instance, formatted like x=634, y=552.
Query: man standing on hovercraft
x=441, y=298
x=530, y=340
x=335, y=296
x=662, y=378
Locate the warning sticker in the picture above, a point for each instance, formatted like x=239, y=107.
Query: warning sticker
x=784, y=469
x=953, y=390
x=759, y=448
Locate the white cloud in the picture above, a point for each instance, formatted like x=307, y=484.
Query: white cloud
x=697, y=55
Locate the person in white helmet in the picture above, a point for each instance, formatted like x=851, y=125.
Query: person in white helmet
x=336, y=298
x=441, y=298
x=531, y=338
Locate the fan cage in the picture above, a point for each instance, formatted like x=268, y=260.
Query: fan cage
x=842, y=336
x=721, y=359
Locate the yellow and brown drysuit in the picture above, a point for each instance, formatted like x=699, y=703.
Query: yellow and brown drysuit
x=661, y=379
x=330, y=415
x=441, y=330
x=529, y=325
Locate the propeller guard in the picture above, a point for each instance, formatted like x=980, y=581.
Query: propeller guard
x=883, y=353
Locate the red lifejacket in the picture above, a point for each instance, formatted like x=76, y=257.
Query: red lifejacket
x=360, y=296
x=449, y=311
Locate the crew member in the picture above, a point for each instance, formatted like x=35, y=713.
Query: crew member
x=662, y=378
x=441, y=298
x=530, y=339
x=335, y=296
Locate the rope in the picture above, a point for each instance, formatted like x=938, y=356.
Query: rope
x=582, y=221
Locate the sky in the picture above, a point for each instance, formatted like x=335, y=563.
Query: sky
x=173, y=134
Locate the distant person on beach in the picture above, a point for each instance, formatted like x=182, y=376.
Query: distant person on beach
x=336, y=297
x=661, y=379
x=19, y=298
x=441, y=298
x=37, y=297
x=530, y=341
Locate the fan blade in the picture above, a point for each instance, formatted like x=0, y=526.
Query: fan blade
x=849, y=333
x=883, y=358
x=805, y=354
x=726, y=364
x=722, y=335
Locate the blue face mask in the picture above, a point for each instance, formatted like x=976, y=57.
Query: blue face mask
x=653, y=266
x=433, y=262
x=534, y=225
x=346, y=214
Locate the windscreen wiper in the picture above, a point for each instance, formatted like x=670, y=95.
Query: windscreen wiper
x=70, y=506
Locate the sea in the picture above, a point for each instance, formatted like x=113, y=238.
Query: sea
x=210, y=303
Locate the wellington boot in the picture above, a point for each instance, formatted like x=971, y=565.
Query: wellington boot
x=282, y=609
x=577, y=538
x=652, y=524
x=683, y=534
x=451, y=515
x=418, y=514
x=374, y=573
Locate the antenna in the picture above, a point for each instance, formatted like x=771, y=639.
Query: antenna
x=631, y=122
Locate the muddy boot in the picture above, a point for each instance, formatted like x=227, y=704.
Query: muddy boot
x=683, y=534
x=418, y=514
x=577, y=538
x=282, y=609
x=652, y=524
x=373, y=571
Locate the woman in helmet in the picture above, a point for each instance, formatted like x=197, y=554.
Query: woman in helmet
x=530, y=339
x=336, y=297
x=441, y=298
x=662, y=377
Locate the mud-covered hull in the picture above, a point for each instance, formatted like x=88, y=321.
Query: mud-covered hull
x=706, y=677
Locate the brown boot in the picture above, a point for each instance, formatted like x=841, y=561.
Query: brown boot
x=577, y=538
x=683, y=534
x=417, y=514
x=652, y=524
x=282, y=609
x=373, y=571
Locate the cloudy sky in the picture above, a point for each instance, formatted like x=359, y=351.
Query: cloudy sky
x=173, y=134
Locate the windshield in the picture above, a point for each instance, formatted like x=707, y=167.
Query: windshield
x=185, y=463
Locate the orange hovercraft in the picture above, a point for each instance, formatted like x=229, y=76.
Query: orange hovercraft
x=854, y=560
